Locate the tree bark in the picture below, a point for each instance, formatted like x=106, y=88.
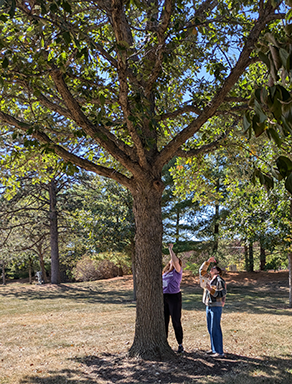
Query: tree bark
x=250, y=257
x=3, y=273
x=29, y=271
x=246, y=256
x=216, y=221
x=290, y=279
x=262, y=257
x=290, y=264
x=55, y=266
x=42, y=263
x=216, y=229
x=177, y=226
x=132, y=250
x=150, y=337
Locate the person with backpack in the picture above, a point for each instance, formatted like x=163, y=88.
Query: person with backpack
x=214, y=298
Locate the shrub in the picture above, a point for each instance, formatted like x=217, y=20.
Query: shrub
x=89, y=270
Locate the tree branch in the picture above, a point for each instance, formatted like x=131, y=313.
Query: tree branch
x=203, y=149
x=63, y=153
x=156, y=53
x=100, y=134
x=123, y=34
x=170, y=149
x=178, y=112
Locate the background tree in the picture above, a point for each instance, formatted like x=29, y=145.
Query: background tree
x=102, y=218
x=34, y=204
x=179, y=215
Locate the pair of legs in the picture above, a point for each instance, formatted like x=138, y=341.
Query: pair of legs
x=172, y=308
x=213, y=315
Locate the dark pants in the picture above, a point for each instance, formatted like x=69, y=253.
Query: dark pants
x=172, y=308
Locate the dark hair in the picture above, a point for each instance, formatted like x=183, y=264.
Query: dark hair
x=219, y=270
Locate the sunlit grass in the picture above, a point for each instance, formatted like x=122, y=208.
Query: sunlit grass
x=55, y=335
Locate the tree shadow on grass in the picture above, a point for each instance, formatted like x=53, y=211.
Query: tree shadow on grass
x=268, y=299
x=88, y=294
x=191, y=367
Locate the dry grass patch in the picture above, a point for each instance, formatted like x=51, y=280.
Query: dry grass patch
x=80, y=333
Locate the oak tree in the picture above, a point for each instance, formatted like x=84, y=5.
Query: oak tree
x=119, y=88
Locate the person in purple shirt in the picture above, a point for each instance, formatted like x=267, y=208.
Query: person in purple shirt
x=171, y=278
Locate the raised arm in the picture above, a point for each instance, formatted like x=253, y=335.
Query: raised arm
x=174, y=258
x=203, y=271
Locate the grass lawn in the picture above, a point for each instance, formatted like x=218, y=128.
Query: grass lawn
x=80, y=333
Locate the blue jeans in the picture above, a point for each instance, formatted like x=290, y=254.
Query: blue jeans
x=214, y=328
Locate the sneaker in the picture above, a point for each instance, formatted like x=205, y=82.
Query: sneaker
x=210, y=352
x=217, y=355
x=180, y=349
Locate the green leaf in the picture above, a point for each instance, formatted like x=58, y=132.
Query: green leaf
x=264, y=96
x=253, y=177
x=269, y=182
x=3, y=17
x=288, y=183
x=67, y=37
x=53, y=8
x=257, y=94
x=286, y=107
x=284, y=93
x=284, y=165
x=284, y=55
x=286, y=125
x=288, y=27
x=261, y=178
x=12, y=9
x=246, y=122
x=272, y=91
x=5, y=62
x=259, y=112
x=102, y=99
x=67, y=7
x=276, y=174
x=272, y=133
x=265, y=59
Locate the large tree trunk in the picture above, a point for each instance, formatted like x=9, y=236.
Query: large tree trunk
x=150, y=337
x=55, y=267
x=290, y=264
